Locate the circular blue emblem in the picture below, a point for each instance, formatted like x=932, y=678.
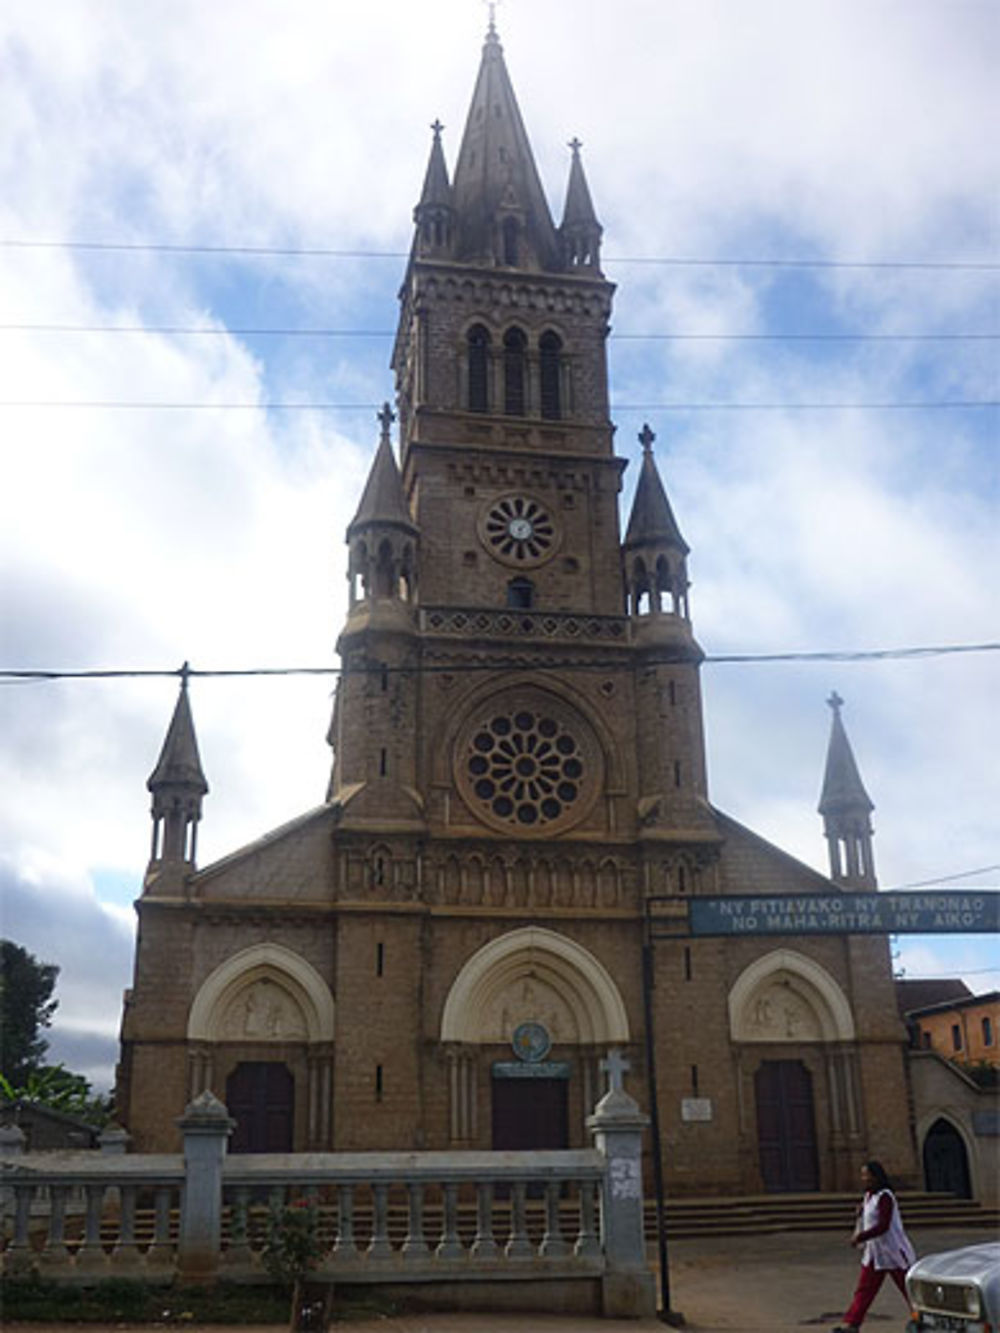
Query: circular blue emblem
x=531, y=1042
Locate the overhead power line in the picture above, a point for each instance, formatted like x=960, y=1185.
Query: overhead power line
x=331, y=252
x=118, y=404
x=377, y=668
x=220, y=331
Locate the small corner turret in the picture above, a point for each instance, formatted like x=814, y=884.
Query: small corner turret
x=580, y=232
x=177, y=785
x=382, y=536
x=654, y=552
x=846, y=809
x=435, y=215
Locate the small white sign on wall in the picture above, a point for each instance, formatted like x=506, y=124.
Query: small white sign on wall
x=696, y=1109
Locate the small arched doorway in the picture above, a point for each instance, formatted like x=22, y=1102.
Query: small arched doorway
x=786, y=1127
x=946, y=1162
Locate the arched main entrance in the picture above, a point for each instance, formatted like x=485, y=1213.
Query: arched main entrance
x=946, y=1161
x=538, y=982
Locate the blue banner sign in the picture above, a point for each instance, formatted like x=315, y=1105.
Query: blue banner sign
x=965, y=912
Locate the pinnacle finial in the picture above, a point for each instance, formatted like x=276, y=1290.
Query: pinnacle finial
x=184, y=674
x=575, y=144
x=835, y=702
x=646, y=438
x=386, y=417
x=491, y=31
x=437, y=127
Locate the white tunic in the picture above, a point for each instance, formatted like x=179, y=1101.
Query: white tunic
x=892, y=1249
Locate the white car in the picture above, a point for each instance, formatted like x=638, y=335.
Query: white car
x=957, y=1291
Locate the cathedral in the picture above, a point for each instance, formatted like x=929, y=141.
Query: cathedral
x=441, y=953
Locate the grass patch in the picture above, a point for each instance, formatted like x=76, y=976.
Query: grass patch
x=36, y=1300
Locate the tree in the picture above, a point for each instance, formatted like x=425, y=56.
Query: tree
x=26, y=1006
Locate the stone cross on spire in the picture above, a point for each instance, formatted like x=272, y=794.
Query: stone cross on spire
x=491, y=5
x=386, y=417
x=616, y=1067
x=835, y=702
x=437, y=127
x=576, y=144
x=646, y=438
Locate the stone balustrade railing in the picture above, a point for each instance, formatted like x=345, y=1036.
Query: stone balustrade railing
x=553, y=1229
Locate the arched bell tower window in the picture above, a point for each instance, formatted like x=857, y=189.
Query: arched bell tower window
x=514, y=343
x=511, y=236
x=549, y=370
x=479, y=360
x=521, y=594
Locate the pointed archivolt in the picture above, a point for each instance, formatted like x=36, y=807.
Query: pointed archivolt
x=539, y=975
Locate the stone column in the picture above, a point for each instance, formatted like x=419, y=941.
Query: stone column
x=206, y=1126
x=628, y=1289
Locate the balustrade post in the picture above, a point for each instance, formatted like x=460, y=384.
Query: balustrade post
x=345, y=1246
x=206, y=1126
x=450, y=1246
x=628, y=1289
x=415, y=1246
x=553, y=1245
x=519, y=1245
x=484, y=1246
x=380, y=1246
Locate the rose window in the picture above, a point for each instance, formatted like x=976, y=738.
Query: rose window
x=526, y=768
x=519, y=531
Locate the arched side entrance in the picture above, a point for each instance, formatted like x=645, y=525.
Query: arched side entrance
x=794, y=1034
x=530, y=982
x=260, y=1034
x=946, y=1160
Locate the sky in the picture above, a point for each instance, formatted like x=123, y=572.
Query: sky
x=717, y=135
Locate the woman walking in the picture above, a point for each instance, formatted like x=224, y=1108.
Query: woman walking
x=887, y=1250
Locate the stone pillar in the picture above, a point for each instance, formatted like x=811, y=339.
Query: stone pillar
x=206, y=1126
x=12, y=1141
x=628, y=1289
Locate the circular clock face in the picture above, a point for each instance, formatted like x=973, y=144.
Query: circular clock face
x=520, y=529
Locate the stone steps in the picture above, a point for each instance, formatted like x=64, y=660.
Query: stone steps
x=757, y=1214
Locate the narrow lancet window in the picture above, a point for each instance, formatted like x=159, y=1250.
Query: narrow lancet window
x=549, y=371
x=479, y=361
x=514, y=343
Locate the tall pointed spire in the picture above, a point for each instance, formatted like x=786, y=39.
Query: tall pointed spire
x=846, y=807
x=580, y=230
x=177, y=785
x=501, y=211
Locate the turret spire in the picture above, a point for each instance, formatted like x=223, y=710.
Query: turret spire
x=434, y=214
x=382, y=534
x=580, y=230
x=655, y=552
x=177, y=784
x=846, y=807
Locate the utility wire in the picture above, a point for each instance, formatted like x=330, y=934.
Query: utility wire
x=223, y=332
x=377, y=668
x=947, y=879
x=116, y=404
x=323, y=252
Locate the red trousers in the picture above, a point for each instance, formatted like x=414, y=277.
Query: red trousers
x=869, y=1283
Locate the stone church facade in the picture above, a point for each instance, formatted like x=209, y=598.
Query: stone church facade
x=440, y=954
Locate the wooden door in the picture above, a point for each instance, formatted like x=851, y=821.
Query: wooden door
x=786, y=1127
x=530, y=1113
x=260, y=1096
x=946, y=1163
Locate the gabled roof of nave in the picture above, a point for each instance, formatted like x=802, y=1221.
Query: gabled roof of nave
x=496, y=172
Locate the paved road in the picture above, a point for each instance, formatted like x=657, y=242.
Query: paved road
x=780, y=1283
